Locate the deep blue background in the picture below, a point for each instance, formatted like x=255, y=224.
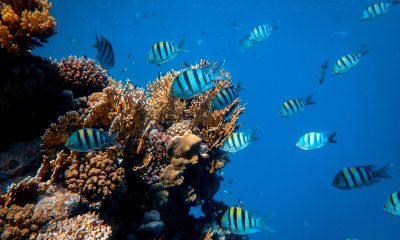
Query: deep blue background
x=273, y=175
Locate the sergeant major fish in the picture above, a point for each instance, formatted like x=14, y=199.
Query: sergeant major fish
x=238, y=141
x=241, y=222
x=359, y=176
x=91, y=139
x=105, y=52
x=291, y=107
x=348, y=61
x=225, y=97
x=378, y=9
x=392, y=204
x=315, y=140
x=258, y=33
x=165, y=51
x=192, y=82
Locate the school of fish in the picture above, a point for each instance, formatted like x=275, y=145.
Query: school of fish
x=192, y=82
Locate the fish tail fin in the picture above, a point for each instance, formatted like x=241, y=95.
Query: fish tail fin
x=363, y=50
x=252, y=134
x=309, y=100
x=239, y=87
x=111, y=139
x=383, y=172
x=262, y=223
x=332, y=137
x=181, y=45
x=216, y=72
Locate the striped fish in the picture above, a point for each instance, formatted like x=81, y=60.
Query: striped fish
x=91, y=139
x=258, y=33
x=348, y=61
x=192, y=82
x=359, y=176
x=392, y=204
x=105, y=52
x=162, y=52
x=241, y=222
x=225, y=97
x=378, y=9
x=291, y=107
x=315, y=140
x=238, y=141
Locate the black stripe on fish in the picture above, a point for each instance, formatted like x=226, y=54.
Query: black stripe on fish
x=159, y=51
x=244, y=220
x=233, y=141
x=240, y=140
x=353, y=178
x=291, y=107
x=392, y=200
x=235, y=220
x=196, y=78
x=250, y=220
x=87, y=139
x=165, y=49
x=101, y=138
x=203, y=74
x=187, y=80
x=79, y=138
x=298, y=106
x=229, y=91
x=229, y=218
x=224, y=97
x=94, y=135
x=363, y=180
x=154, y=53
x=345, y=178
x=218, y=96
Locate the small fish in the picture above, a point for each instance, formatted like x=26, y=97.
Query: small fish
x=324, y=67
x=258, y=34
x=315, y=140
x=359, y=176
x=392, y=204
x=73, y=41
x=225, y=97
x=378, y=9
x=241, y=222
x=192, y=82
x=105, y=52
x=129, y=55
x=124, y=70
x=348, y=61
x=162, y=52
x=185, y=65
x=238, y=141
x=294, y=106
x=91, y=139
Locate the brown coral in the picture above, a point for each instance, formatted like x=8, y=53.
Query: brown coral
x=59, y=133
x=94, y=177
x=183, y=150
x=82, y=75
x=16, y=222
x=87, y=226
x=119, y=108
x=25, y=24
x=21, y=193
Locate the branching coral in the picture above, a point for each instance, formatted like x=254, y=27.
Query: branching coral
x=82, y=75
x=21, y=193
x=25, y=24
x=94, y=177
x=119, y=108
x=87, y=226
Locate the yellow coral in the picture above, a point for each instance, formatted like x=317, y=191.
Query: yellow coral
x=25, y=24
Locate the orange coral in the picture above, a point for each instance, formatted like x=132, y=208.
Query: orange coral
x=20, y=193
x=25, y=24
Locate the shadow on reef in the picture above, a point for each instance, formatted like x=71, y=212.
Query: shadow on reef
x=168, y=162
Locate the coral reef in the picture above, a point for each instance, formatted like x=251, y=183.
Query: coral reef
x=25, y=24
x=82, y=75
x=94, y=179
x=86, y=226
x=167, y=163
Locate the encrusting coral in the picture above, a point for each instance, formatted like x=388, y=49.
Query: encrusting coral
x=82, y=75
x=25, y=24
x=86, y=226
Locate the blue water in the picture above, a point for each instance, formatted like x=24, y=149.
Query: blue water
x=273, y=175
